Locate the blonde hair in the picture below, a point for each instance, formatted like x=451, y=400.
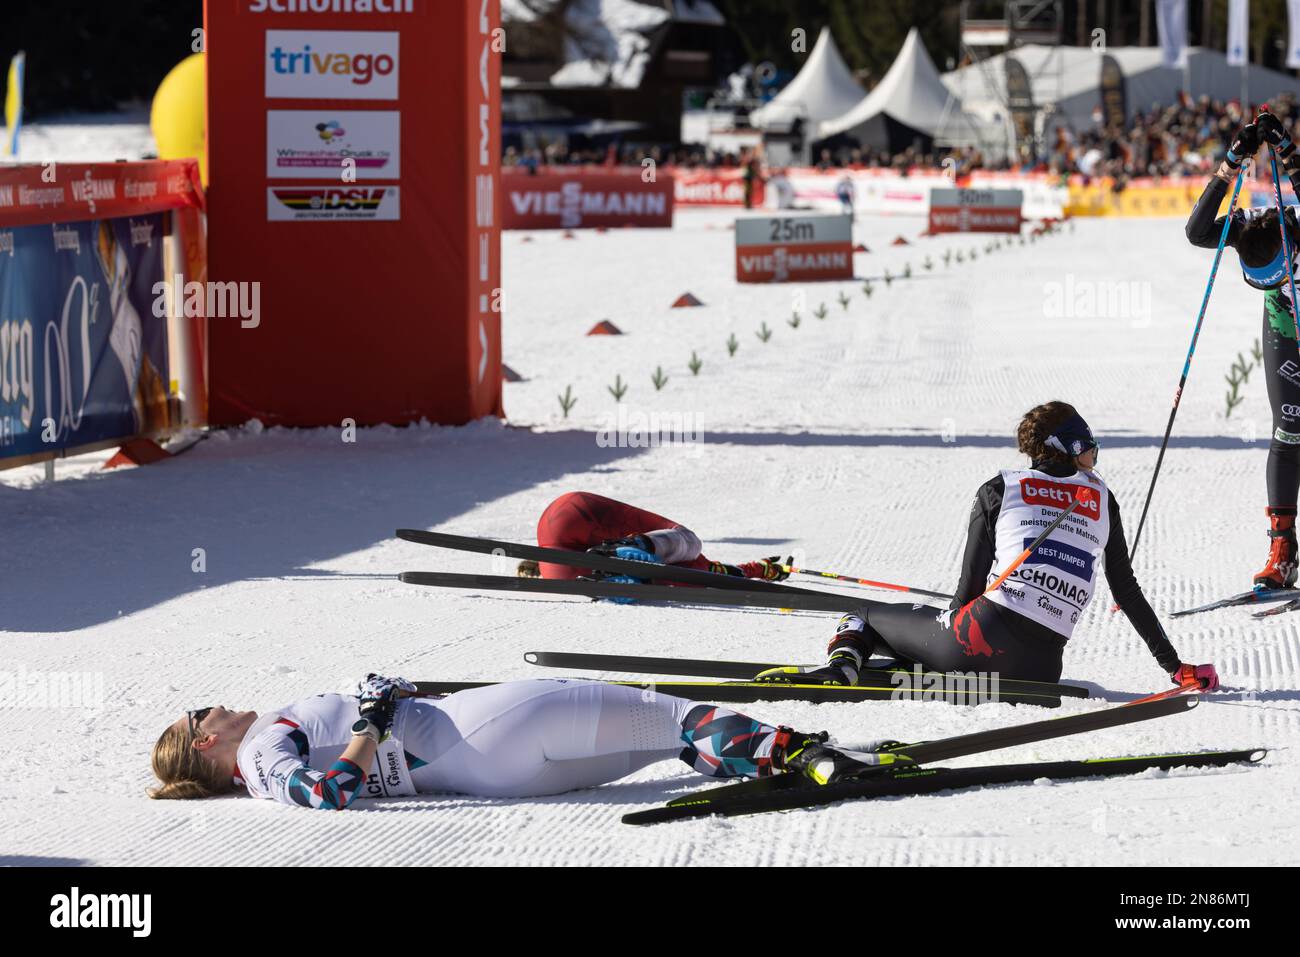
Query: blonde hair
x=184, y=772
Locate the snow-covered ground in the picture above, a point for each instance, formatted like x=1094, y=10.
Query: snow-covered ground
x=857, y=439
x=86, y=138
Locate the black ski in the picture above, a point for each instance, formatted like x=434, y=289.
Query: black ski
x=1292, y=605
x=746, y=670
x=946, y=749
x=756, y=597
x=733, y=692
x=604, y=563
x=925, y=780
x=1252, y=597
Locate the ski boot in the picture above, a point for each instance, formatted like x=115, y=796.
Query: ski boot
x=1280, y=570
x=822, y=763
x=841, y=670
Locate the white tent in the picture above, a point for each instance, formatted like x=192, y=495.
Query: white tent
x=1070, y=77
x=823, y=89
x=912, y=96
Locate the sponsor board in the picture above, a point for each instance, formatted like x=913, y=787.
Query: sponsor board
x=317, y=203
x=975, y=210
x=794, y=248
x=331, y=64
x=586, y=199
x=712, y=187
x=317, y=144
x=91, y=190
x=83, y=357
x=331, y=6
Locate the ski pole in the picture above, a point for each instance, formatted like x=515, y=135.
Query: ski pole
x=1080, y=496
x=1187, y=363
x=790, y=569
x=1197, y=685
x=1286, y=243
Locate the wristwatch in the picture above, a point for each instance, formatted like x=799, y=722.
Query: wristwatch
x=367, y=727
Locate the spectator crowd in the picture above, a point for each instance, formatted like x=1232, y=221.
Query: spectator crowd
x=1187, y=138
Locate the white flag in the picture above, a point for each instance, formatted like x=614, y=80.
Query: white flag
x=1293, y=40
x=1171, y=23
x=1238, y=30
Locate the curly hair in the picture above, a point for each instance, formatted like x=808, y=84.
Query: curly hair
x=1037, y=426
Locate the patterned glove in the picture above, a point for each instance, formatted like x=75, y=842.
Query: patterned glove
x=378, y=696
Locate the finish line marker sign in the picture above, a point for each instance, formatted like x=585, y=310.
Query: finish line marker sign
x=794, y=248
x=975, y=210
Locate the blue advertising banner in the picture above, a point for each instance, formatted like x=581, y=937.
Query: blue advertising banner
x=83, y=344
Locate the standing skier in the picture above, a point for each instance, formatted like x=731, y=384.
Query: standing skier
x=1021, y=628
x=584, y=521
x=846, y=193
x=516, y=739
x=1257, y=236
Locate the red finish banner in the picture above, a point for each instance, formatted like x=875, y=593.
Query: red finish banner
x=714, y=187
x=69, y=192
x=355, y=176
x=586, y=197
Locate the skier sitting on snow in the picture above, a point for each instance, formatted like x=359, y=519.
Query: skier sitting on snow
x=1257, y=236
x=583, y=521
x=1021, y=629
x=516, y=739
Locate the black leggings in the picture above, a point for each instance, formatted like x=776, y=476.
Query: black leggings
x=983, y=637
x=1282, y=370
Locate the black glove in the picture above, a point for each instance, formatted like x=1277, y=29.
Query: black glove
x=609, y=547
x=1275, y=134
x=1244, y=145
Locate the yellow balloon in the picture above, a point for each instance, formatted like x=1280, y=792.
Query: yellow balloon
x=177, y=117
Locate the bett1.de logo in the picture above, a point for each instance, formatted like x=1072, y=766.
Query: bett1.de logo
x=331, y=64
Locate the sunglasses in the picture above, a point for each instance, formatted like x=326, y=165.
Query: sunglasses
x=195, y=718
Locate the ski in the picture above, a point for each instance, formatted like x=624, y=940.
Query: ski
x=746, y=670
x=977, y=742
x=604, y=563
x=957, y=691
x=758, y=597
x=924, y=780
x=1244, y=598
x=1292, y=605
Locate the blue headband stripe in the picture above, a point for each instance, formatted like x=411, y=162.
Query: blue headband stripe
x=1267, y=275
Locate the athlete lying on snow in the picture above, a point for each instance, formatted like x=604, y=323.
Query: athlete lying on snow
x=516, y=739
x=584, y=521
x=1020, y=629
